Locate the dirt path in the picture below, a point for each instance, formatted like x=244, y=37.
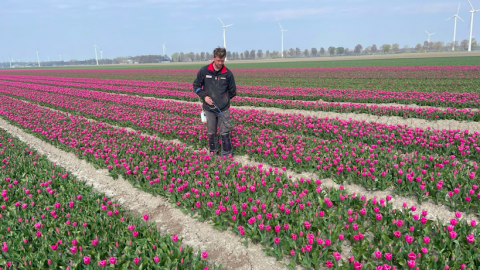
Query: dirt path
x=223, y=247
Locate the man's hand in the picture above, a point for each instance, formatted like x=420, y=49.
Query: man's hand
x=209, y=100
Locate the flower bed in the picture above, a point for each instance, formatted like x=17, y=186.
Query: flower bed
x=432, y=98
x=376, y=156
x=403, y=111
x=298, y=219
x=50, y=220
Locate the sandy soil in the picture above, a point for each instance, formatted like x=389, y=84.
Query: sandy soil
x=223, y=247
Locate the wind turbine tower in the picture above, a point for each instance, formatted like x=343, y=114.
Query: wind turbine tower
x=224, y=42
x=455, y=26
x=38, y=60
x=471, y=26
x=163, y=47
x=281, y=30
x=428, y=39
x=96, y=56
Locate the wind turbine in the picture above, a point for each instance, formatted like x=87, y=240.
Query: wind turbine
x=60, y=57
x=101, y=56
x=38, y=60
x=163, y=47
x=224, y=42
x=471, y=25
x=10, y=58
x=281, y=30
x=455, y=26
x=95, y=47
x=428, y=39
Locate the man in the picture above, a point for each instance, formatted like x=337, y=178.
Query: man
x=215, y=85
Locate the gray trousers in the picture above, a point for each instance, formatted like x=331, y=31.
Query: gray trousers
x=224, y=124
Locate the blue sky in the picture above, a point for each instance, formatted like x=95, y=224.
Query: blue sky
x=135, y=27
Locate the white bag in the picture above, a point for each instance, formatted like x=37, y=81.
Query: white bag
x=203, y=116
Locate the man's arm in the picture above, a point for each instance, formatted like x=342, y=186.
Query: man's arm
x=198, y=85
x=232, y=87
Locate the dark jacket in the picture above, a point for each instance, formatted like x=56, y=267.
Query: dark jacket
x=218, y=85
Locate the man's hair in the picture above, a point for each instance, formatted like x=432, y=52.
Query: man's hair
x=219, y=52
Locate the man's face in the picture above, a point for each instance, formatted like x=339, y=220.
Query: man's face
x=218, y=62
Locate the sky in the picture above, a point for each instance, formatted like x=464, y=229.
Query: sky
x=139, y=27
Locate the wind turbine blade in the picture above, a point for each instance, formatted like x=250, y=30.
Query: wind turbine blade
x=280, y=26
x=458, y=8
x=427, y=32
x=460, y=19
x=470, y=4
x=450, y=18
x=229, y=25
x=221, y=22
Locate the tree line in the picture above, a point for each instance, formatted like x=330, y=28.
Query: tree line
x=330, y=51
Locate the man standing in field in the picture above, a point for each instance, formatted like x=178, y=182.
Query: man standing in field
x=215, y=85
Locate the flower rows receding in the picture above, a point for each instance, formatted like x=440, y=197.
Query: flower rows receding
x=403, y=111
x=422, y=78
x=294, y=218
x=415, y=162
x=50, y=220
x=443, y=99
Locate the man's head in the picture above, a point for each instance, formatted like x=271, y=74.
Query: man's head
x=219, y=55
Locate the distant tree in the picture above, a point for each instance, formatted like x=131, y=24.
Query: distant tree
x=464, y=44
x=191, y=56
x=331, y=50
x=197, y=57
x=229, y=55
x=175, y=57
x=252, y=54
x=418, y=47
x=242, y=56
x=358, y=49
x=322, y=51
x=406, y=48
x=425, y=45
x=438, y=45
x=275, y=54
x=395, y=47
x=474, y=42
x=285, y=53
x=431, y=45
x=367, y=50
x=202, y=56
x=385, y=48
x=374, y=49
x=182, y=57
x=347, y=50
x=340, y=50
x=306, y=53
x=291, y=52
x=259, y=54
x=247, y=54
x=314, y=51
x=297, y=52
x=267, y=54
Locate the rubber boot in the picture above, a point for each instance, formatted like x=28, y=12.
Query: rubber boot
x=226, y=145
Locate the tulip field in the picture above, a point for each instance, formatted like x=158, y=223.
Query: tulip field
x=148, y=131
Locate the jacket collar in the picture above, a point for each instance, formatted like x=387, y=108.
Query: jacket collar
x=210, y=67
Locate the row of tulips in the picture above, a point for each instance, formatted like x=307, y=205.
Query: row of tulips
x=453, y=78
x=402, y=111
x=298, y=219
x=439, y=99
x=50, y=220
x=427, y=164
